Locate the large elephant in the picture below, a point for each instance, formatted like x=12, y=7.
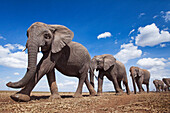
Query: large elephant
x=159, y=85
x=140, y=76
x=167, y=82
x=60, y=52
x=111, y=68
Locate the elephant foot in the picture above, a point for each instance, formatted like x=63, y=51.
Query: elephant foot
x=55, y=96
x=93, y=94
x=128, y=93
x=119, y=92
x=140, y=92
x=99, y=94
x=77, y=96
x=20, y=97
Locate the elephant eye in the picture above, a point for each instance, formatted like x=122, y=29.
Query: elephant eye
x=47, y=36
x=98, y=62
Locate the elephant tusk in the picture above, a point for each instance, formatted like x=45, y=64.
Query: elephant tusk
x=24, y=49
x=39, y=49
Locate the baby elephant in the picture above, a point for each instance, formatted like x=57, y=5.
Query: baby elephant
x=114, y=70
x=140, y=76
x=159, y=85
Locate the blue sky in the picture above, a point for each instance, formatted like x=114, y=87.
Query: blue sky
x=136, y=32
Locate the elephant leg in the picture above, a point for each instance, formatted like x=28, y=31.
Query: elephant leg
x=139, y=84
x=159, y=88
x=119, y=82
x=125, y=82
x=100, y=84
x=116, y=86
x=82, y=78
x=52, y=84
x=147, y=86
x=90, y=87
x=43, y=67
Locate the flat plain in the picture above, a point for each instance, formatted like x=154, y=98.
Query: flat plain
x=107, y=103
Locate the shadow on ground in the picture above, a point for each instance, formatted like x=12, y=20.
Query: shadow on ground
x=33, y=97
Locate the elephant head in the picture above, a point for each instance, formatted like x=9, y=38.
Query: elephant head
x=101, y=62
x=135, y=72
x=50, y=38
x=155, y=82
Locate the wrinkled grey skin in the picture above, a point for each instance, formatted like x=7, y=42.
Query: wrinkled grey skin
x=140, y=76
x=70, y=58
x=159, y=85
x=114, y=70
x=167, y=82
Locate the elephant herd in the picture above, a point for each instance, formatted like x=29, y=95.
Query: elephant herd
x=72, y=59
x=159, y=84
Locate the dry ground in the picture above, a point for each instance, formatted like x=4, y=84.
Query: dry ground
x=107, y=103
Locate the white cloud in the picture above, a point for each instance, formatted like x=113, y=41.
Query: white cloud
x=14, y=59
x=10, y=46
x=104, y=35
x=14, y=46
x=127, y=52
x=151, y=62
x=16, y=73
x=163, y=45
x=141, y=14
x=162, y=12
x=155, y=16
x=1, y=37
x=156, y=66
x=132, y=38
x=131, y=31
x=167, y=16
x=150, y=35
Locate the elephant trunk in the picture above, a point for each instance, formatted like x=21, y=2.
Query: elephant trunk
x=32, y=61
x=134, y=86
x=92, y=77
x=93, y=66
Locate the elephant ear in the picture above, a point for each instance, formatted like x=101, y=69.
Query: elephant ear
x=141, y=72
x=109, y=61
x=62, y=36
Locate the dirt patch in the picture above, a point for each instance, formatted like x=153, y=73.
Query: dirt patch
x=108, y=102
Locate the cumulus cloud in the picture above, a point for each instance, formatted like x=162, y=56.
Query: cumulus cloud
x=156, y=66
x=15, y=59
x=104, y=35
x=150, y=62
x=167, y=16
x=150, y=35
x=127, y=52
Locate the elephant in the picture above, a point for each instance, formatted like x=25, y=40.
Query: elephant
x=165, y=88
x=167, y=82
x=159, y=85
x=114, y=70
x=140, y=76
x=60, y=52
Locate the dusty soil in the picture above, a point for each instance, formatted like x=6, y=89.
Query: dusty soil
x=107, y=103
